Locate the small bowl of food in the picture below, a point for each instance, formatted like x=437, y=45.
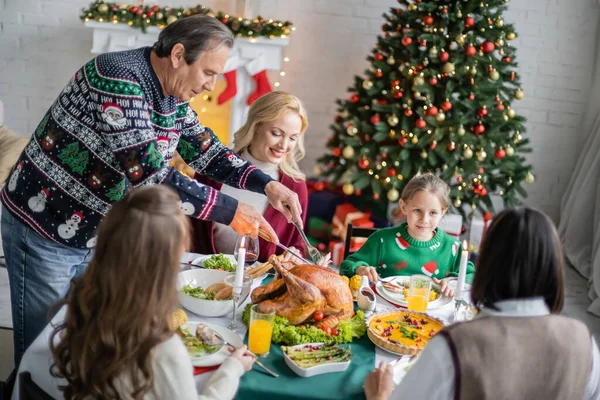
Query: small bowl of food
x=312, y=359
x=204, y=292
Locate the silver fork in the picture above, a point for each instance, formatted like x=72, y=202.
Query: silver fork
x=313, y=253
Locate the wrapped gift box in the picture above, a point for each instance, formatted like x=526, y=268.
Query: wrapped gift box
x=336, y=249
x=345, y=214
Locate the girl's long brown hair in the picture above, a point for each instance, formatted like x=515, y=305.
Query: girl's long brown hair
x=119, y=310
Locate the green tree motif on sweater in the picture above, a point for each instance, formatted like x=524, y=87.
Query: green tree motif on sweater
x=73, y=158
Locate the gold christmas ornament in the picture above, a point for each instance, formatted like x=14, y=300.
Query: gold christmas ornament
x=511, y=113
x=481, y=155
x=499, y=22
x=412, y=7
x=345, y=114
x=393, y=195
x=517, y=137
x=414, y=140
x=510, y=35
x=433, y=52
x=348, y=188
x=473, y=71
x=494, y=75
x=159, y=15
x=352, y=130
x=171, y=19
x=441, y=117
x=500, y=42
x=505, y=117
x=392, y=133
x=317, y=170
x=448, y=67
x=459, y=14
x=460, y=130
x=530, y=178
x=391, y=60
x=392, y=120
x=419, y=80
x=509, y=151
x=460, y=40
x=457, y=202
x=348, y=152
x=519, y=94
x=102, y=8
x=367, y=84
x=467, y=153
x=423, y=154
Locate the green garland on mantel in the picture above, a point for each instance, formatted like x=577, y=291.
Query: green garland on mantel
x=148, y=15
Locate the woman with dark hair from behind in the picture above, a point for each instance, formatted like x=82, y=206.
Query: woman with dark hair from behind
x=517, y=347
x=116, y=341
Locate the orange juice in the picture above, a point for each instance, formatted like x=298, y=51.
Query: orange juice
x=259, y=340
x=418, y=299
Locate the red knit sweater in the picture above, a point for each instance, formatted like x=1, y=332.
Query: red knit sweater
x=202, y=231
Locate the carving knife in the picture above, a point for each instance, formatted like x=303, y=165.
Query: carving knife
x=266, y=237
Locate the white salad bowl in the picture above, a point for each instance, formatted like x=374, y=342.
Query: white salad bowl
x=317, y=369
x=204, y=278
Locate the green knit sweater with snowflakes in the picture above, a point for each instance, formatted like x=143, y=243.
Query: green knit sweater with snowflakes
x=393, y=252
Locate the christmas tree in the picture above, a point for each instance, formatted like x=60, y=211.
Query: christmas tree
x=437, y=97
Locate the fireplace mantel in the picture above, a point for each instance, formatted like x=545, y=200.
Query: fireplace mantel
x=109, y=37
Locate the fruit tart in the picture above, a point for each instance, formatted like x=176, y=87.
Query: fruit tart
x=402, y=332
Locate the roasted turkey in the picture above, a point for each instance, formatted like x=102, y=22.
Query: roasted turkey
x=304, y=289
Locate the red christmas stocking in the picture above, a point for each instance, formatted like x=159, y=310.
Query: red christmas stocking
x=262, y=86
x=231, y=89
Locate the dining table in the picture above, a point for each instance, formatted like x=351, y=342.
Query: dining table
x=337, y=385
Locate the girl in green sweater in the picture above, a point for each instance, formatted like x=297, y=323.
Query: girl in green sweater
x=416, y=246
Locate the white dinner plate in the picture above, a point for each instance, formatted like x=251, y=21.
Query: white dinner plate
x=220, y=356
x=398, y=298
x=199, y=262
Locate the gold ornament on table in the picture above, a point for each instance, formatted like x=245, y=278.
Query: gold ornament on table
x=457, y=202
x=468, y=153
x=348, y=152
x=393, y=194
x=392, y=120
x=448, y=68
x=494, y=75
x=511, y=113
x=348, y=188
x=509, y=151
x=352, y=130
x=530, y=178
x=519, y=94
x=367, y=84
x=423, y=154
x=461, y=130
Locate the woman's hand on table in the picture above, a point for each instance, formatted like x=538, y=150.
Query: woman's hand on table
x=243, y=356
x=379, y=384
x=444, y=287
x=369, y=272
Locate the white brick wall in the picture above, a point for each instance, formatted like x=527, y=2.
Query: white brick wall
x=42, y=43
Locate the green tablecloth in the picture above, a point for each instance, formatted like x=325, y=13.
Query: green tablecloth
x=257, y=384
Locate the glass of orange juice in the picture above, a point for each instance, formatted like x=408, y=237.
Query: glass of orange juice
x=261, y=330
x=418, y=293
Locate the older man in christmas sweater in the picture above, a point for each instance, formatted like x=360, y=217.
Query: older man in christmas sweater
x=393, y=252
x=115, y=126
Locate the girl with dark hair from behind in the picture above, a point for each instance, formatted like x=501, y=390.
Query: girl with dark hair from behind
x=517, y=347
x=115, y=341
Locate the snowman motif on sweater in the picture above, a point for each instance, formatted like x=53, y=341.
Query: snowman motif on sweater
x=71, y=226
x=235, y=161
x=12, y=183
x=37, y=203
x=187, y=207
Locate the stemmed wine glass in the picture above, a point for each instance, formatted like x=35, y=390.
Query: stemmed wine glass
x=251, y=246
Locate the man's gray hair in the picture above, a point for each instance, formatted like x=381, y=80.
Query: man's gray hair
x=197, y=34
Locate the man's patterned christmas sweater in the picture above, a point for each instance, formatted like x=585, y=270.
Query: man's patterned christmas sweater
x=110, y=130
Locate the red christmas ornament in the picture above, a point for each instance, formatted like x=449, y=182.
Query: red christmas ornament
x=330, y=164
x=487, y=216
x=469, y=22
x=336, y=151
x=363, y=163
x=319, y=186
x=139, y=12
x=385, y=27
x=446, y=106
x=133, y=9
x=224, y=20
x=395, y=82
x=399, y=11
x=386, y=35
x=376, y=196
x=497, y=99
x=432, y=111
x=150, y=13
x=433, y=81
x=408, y=112
x=357, y=192
x=378, y=56
x=378, y=73
x=444, y=10
x=500, y=106
x=433, y=145
x=500, y=153
x=451, y=146
x=155, y=8
x=483, y=192
x=397, y=94
x=354, y=98
x=479, y=129
x=490, y=22
x=428, y=20
x=482, y=112
x=406, y=41
x=420, y=123
x=375, y=119
x=384, y=156
x=506, y=59
x=402, y=141
x=113, y=8
x=470, y=50
x=382, y=101
x=481, y=170
x=459, y=179
x=471, y=96
x=487, y=46
x=391, y=172
x=444, y=56
x=367, y=138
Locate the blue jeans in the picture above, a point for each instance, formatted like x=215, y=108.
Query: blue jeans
x=40, y=273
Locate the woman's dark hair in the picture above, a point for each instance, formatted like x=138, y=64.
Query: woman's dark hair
x=197, y=34
x=520, y=257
